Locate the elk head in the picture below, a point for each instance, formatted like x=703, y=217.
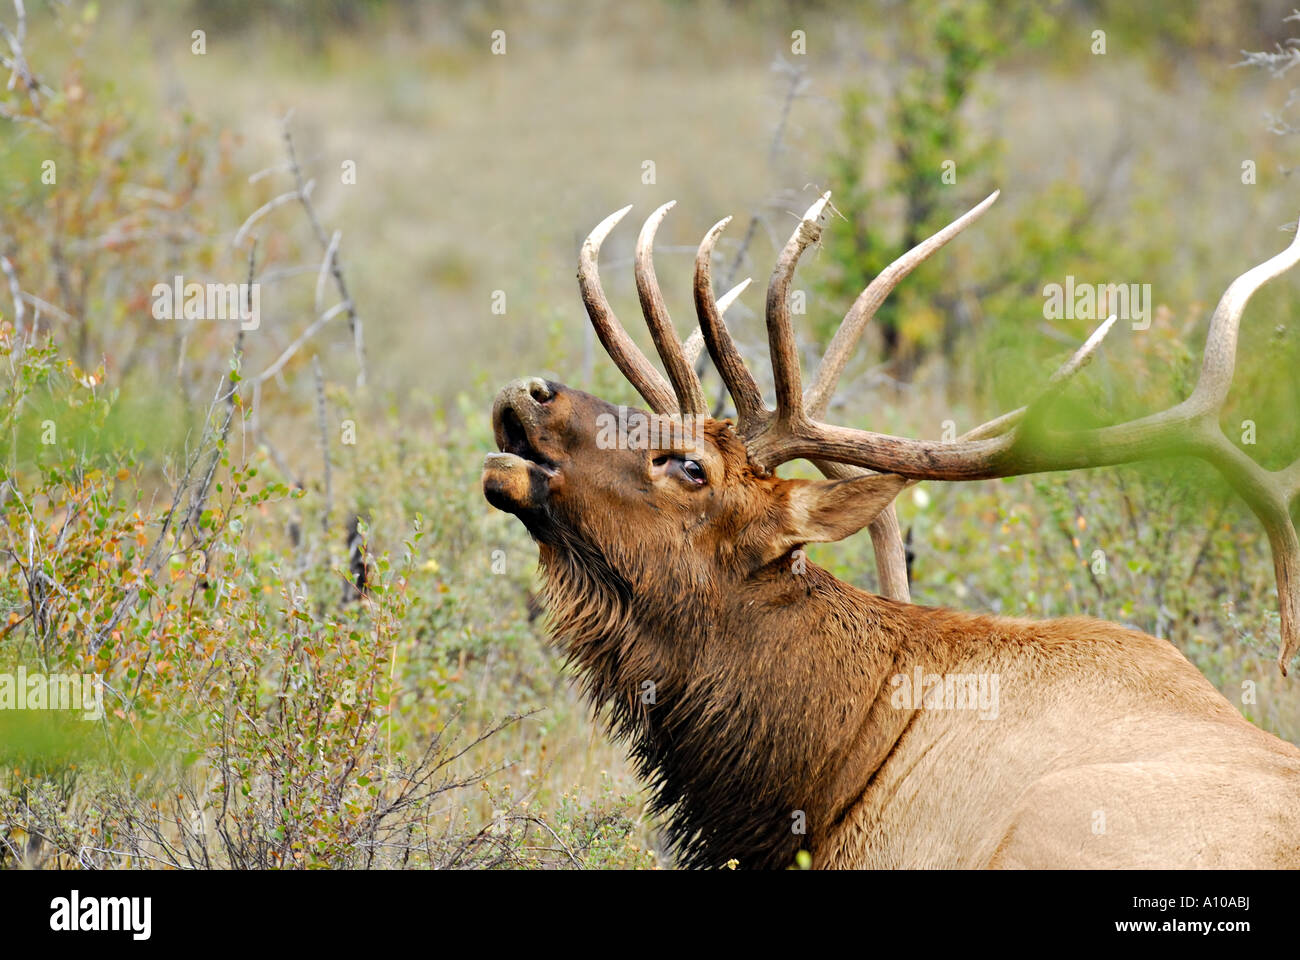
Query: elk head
x=670, y=505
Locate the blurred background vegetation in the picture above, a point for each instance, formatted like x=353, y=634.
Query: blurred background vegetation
x=196, y=526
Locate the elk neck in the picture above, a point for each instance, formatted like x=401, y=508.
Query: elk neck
x=749, y=712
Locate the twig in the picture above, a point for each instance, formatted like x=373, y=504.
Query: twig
x=40, y=304
x=293, y=348
x=20, y=309
x=264, y=209
x=18, y=67
x=324, y=442
x=323, y=274
x=336, y=268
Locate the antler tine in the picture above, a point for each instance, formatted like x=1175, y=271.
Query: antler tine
x=740, y=384
x=864, y=308
x=1221, y=340
x=780, y=334
x=1270, y=498
x=627, y=356
x=693, y=347
x=732, y=295
x=1078, y=360
x=690, y=395
x=1285, y=546
x=694, y=344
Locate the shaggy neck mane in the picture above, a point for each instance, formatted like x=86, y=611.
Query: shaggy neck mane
x=725, y=723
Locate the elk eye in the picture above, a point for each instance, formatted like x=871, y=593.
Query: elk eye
x=678, y=466
x=694, y=472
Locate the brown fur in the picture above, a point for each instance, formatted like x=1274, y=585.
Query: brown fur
x=774, y=683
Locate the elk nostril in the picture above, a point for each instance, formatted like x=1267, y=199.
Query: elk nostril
x=539, y=391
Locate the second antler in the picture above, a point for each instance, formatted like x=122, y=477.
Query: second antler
x=999, y=448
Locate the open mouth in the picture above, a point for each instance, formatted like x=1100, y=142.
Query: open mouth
x=512, y=438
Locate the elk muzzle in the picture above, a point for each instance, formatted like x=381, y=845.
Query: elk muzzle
x=518, y=479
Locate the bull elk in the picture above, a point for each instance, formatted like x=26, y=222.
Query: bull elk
x=772, y=708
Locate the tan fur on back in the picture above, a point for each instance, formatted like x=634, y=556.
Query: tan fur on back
x=1109, y=749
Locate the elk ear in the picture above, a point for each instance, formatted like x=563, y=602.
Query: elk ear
x=822, y=511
